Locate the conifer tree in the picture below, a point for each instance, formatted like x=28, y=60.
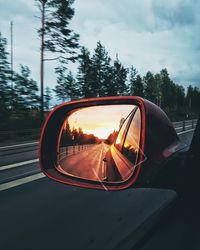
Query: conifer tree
x=132, y=78
x=138, y=87
x=66, y=88
x=118, y=85
x=101, y=63
x=26, y=89
x=4, y=77
x=55, y=34
x=47, y=98
x=150, y=87
x=85, y=81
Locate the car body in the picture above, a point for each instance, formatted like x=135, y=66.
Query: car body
x=163, y=183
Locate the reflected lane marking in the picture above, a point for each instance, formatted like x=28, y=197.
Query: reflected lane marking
x=99, y=179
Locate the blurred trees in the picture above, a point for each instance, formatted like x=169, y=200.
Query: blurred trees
x=66, y=87
x=137, y=86
x=55, y=35
x=85, y=75
x=193, y=99
x=19, y=99
x=111, y=138
x=101, y=70
x=4, y=78
x=26, y=89
x=118, y=79
x=97, y=75
x=47, y=98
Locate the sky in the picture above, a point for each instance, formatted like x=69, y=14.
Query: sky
x=148, y=34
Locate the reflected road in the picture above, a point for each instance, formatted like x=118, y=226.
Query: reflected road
x=87, y=163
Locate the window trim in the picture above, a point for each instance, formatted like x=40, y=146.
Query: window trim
x=126, y=137
x=129, y=117
x=120, y=152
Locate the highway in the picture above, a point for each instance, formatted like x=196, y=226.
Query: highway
x=90, y=160
x=35, y=210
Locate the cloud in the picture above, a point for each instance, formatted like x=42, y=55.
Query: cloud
x=175, y=13
x=148, y=34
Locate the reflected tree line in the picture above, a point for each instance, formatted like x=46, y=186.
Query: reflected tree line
x=111, y=138
x=78, y=137
x=73, y=136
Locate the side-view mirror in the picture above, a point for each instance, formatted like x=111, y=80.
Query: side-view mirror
x=107, y=143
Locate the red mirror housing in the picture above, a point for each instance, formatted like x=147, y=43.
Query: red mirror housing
x=158, y=142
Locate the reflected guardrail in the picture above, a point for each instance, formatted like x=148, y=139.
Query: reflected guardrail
x=72, y=150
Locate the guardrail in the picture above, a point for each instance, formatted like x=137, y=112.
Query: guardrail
x=21, y=134
x=28, y=134
x=184, y=125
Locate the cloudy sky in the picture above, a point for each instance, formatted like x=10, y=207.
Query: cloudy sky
x=148, y=34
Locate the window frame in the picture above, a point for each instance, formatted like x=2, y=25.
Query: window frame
x=120, y=151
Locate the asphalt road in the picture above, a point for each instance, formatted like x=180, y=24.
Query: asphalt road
x=37, y=213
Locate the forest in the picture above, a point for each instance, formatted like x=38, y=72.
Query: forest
x=22, y=98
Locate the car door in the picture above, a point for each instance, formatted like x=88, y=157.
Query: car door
x=123, y=155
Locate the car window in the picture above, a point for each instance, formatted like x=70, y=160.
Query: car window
x=119, y=140
x=132, y=141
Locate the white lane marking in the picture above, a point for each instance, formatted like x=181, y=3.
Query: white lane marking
x=99, y=179
x=19, y=145
x=186, y=121
x=185, y=126
x=14, y=165
x=183, y=132
x=41, y=175
x=21, y=181
x=99, y=162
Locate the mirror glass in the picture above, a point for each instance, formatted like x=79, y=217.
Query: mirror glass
x=100, y=143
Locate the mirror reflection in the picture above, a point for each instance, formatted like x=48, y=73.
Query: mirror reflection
x=100, y=143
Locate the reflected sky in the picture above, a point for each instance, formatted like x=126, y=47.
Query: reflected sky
x=99, y=120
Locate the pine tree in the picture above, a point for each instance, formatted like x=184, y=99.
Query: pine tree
x=47, y=98
x=193, y=99
x=4, y=78
x=101, y=64
x=73, y=87
x=138, y=87
x=150, y=87
x=66, y=87
x=132, y=78
x=158, y=93
x=26, y=89
x=85, y=81
x=180, y=97
x=167, y=89
x=136, y=84
x=55, y=34
x=118, y=85
x=109, y=87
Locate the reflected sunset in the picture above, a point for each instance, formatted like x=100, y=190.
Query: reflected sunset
x=100, y=121
x=91, y=138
